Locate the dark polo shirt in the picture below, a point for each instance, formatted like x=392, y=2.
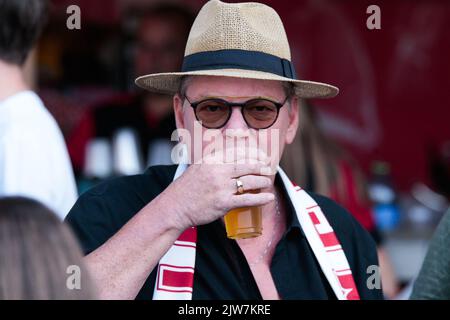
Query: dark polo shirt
x=221, y=270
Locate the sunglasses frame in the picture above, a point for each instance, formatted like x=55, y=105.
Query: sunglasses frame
x=229, y=105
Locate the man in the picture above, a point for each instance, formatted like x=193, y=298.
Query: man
x=159, y=37
x=33, y=158
x=148, y=237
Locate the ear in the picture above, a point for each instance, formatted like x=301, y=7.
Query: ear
x=293, y=120
x=178, y=111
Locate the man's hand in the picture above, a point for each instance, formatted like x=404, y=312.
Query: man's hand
x=207, y=191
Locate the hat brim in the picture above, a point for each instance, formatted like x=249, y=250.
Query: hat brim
x=169, y=83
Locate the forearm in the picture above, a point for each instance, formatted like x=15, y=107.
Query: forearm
x=388, y=278
x=121, y=265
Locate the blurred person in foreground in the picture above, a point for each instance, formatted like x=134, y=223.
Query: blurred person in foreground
x=161, y=235
x=321, y=166
x=159, y=35
x=34, y=161
x=433, y=281
x=39, y=254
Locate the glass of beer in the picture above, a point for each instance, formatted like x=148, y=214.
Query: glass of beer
x=243, y=223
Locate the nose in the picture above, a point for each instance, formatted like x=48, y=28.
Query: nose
x=236, y=120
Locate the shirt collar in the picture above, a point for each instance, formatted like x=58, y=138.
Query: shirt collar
x=292, y=222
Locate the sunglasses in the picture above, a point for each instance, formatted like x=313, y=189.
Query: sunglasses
x=257, y=113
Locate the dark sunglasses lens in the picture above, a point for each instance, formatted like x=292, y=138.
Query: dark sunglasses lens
x=260, y=114
x=212, y=113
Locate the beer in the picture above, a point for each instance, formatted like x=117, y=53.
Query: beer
x=242, y=223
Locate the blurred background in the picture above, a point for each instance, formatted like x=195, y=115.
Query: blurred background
x=391, y=117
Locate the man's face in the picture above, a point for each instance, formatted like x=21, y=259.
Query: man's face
x=160, y=45
x=271, y=140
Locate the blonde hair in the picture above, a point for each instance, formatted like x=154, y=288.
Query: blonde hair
x=313, y=157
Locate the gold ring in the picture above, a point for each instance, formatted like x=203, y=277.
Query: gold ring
x=239, y=186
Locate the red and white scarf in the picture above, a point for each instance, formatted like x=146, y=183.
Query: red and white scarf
x=175, y=274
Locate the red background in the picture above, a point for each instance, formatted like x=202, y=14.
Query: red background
x=393, y=102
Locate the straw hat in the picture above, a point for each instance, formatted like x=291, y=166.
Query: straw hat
x=243, y=40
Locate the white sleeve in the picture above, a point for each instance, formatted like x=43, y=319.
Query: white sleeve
x=36, y=165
